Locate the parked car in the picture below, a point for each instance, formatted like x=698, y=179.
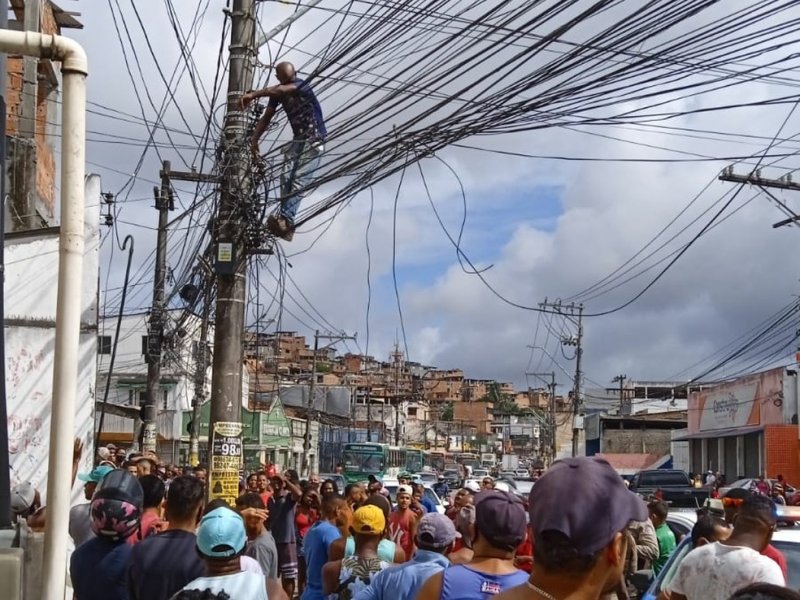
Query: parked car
x=341, y=482
x=671, y=485
x=524, y=485
x=749, y=483
x=428, y=494
x=426, y=477
x=785, y=539
x=452, y=478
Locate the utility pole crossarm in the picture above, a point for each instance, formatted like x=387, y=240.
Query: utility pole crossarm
x=755, y=178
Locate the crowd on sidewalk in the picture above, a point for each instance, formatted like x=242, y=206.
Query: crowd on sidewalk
x=147, y=532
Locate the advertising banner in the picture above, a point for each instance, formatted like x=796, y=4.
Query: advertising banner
x=226, y=462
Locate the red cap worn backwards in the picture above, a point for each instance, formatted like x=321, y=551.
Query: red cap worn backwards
x=584, y=499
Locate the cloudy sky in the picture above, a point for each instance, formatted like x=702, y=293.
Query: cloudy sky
x=536, y=228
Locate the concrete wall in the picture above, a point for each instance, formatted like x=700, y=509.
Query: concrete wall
x=637, y=441
x=31, y=286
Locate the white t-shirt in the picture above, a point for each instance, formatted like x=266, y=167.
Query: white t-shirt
x=250, y=564
x=243, y=584
x=716, y=571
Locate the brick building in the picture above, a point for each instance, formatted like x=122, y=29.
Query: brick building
x=33, y=93
x=747, y=427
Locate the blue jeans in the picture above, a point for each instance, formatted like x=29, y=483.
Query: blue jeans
x=301, y=159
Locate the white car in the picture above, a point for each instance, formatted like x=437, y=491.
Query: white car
x=426, y=478
x=749, y=483
x=522, y=473
x=428, y=494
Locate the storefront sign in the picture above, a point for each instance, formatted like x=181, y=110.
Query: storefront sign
x=226, y=462
x=753, y=400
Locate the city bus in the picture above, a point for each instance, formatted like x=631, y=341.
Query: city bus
x=414, y=460
x=469, y=460
x=364, y=459
x=437, y=459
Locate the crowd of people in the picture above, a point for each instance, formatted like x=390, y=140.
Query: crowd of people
x=151, y=534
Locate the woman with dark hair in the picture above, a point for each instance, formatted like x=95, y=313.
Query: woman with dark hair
x=328, y=488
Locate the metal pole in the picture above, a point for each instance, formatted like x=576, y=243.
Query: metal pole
x=231, y=261
x=155, y=333
x=310, y=406
x=5, y=479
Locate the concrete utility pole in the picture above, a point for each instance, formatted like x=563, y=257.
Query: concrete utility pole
x=201, y=364
x=155, y=328
x=550, y=380
x=782, y=183
x=397, y=357
x=225, y=430
x=624, y=407
x=312, y=391
x=573, y=312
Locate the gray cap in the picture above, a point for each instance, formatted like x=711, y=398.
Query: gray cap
x=436, y=531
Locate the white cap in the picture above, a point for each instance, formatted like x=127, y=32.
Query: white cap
x=22, y=497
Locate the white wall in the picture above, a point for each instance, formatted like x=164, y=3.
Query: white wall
x=30, y=303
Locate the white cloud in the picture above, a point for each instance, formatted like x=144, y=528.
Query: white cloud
x=732, y=278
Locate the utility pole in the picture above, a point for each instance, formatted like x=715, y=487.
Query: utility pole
x=397, y=357
x=550, y=380
x=755, y=178
x=624, y=408
x=574, y=313
x=225, y=430
x=201, y=364
x=155, y=328
x=312, y=389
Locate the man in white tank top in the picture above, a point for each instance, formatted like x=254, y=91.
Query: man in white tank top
x=221, y=541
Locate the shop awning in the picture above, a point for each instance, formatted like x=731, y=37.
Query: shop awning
x=720, y=433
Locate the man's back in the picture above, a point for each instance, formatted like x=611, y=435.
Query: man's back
x=98, y=568
x=162, y=564
x=464, y=582
x=315, y=549
x=716, y=571
x=243, y=585
x=403, y=582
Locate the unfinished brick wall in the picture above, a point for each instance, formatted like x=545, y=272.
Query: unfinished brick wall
x=782, y=452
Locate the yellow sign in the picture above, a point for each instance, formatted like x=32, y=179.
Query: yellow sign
x=225, y=462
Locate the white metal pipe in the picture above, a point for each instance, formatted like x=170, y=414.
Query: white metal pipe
x=74, y=68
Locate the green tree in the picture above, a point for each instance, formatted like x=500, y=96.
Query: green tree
x=447, y=413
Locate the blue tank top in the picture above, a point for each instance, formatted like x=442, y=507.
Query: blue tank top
x=385, y=549
x=463, y=583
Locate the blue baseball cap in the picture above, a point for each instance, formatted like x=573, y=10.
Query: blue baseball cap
x=96, y=475
x=221, y=534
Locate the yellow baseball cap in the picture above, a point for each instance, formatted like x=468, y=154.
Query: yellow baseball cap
x=369, y=520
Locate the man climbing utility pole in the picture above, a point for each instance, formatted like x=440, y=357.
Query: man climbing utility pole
x=225, y=432
x=303, y=154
